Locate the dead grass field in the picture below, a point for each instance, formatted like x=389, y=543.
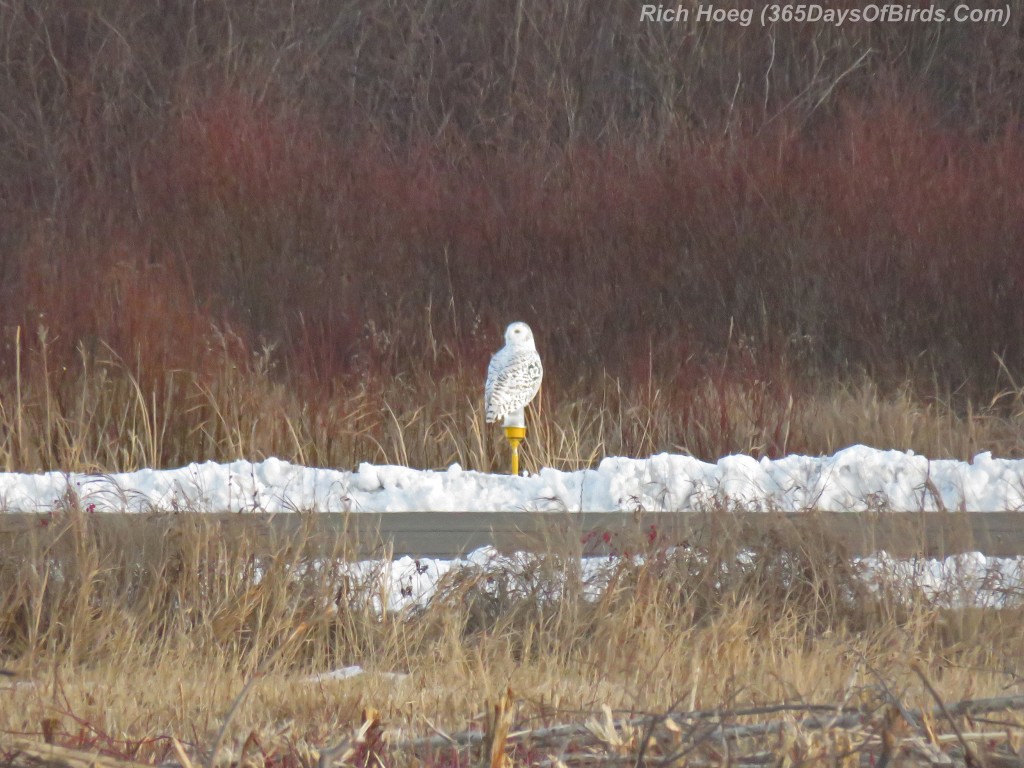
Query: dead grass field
x=123, y=643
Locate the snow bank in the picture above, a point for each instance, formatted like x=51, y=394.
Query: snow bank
x=856, y=479
x=956, y=581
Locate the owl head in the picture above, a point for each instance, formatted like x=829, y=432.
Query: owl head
x=519, y=335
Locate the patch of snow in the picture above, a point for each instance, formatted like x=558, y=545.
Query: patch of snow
x=969, y=579
x=347, y=673
x=344, y=673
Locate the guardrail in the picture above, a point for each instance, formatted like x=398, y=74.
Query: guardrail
x=448, y=534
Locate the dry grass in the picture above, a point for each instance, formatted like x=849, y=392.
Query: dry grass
x=97, y=416
x=124, y=636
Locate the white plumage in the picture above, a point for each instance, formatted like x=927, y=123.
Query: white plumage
x=514, y=375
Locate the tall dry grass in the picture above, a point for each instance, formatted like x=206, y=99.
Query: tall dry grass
x=123, y=635
x=98, y=416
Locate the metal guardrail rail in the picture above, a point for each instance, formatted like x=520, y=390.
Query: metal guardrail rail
x=448, y=534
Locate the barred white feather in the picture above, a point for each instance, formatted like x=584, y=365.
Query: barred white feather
x=514, y=375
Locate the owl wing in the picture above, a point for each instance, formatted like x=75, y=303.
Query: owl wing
x=511, y=383
x=494, y=370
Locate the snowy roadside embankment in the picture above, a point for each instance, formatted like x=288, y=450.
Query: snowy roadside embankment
x=856, y=479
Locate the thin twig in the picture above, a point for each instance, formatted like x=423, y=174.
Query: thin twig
x=245, y=692
x=969, y=755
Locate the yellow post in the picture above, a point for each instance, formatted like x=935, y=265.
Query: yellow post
x=515, y=436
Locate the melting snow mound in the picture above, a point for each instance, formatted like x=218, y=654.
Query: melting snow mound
x=856, y=479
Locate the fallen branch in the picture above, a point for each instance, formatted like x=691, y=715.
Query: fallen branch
x=848, y=719
x=22, y=752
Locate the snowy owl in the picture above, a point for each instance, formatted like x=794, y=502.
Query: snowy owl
x=513, y=377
